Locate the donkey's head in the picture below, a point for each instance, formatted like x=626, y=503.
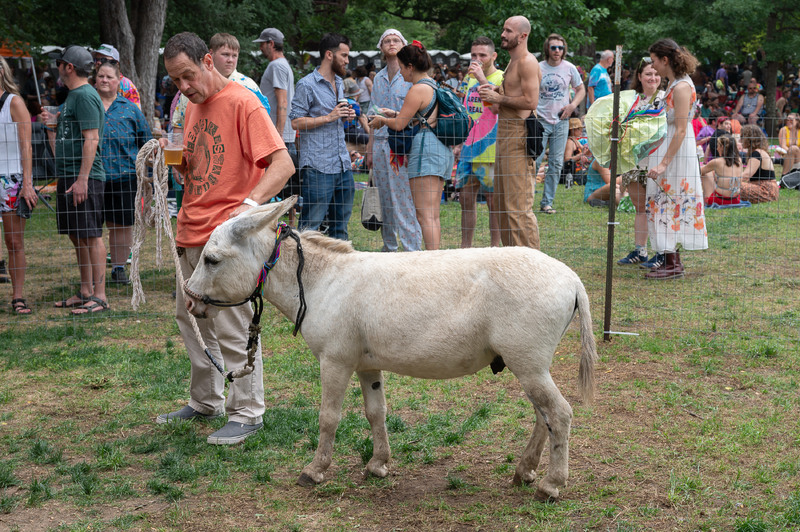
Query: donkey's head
x=231, y=261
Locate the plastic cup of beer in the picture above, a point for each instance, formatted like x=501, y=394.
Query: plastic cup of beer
x=52, y=115
x=173, y=153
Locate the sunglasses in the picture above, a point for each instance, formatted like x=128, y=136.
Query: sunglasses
x=555, y=47
x=103, y=61
x=645, y=61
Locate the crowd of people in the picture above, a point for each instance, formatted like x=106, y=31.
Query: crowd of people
x=246, y=143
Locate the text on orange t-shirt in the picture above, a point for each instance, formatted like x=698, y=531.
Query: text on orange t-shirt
x=227, y=139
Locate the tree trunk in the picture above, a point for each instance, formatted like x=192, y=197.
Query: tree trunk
x=138, y=39
x=772, y=121
x=116, y=31
x=149, y=28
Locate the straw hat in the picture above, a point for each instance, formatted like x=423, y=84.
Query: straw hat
x=575, y=123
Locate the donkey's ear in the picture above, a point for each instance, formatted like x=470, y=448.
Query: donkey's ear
x=260, y=218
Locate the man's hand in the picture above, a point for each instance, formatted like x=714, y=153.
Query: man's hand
x=567, y=111
x=476, y=69
x=342, y=110
x=79, y=191
x=489, y=93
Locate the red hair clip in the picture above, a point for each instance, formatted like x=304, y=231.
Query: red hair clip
x=417, y=44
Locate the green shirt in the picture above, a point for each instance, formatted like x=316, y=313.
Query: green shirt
x=82, y=110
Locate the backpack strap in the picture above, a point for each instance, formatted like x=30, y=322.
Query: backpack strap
x=3, y=99
x=432, y=84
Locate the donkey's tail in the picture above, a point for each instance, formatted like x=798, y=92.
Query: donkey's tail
x=588, y=347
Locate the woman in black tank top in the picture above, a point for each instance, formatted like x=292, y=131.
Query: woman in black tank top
x=758, y=176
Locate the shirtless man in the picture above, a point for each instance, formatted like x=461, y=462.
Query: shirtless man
x=517, y=96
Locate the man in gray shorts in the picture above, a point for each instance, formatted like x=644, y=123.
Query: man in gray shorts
x=81, y=178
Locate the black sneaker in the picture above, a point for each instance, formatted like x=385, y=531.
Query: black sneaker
x=233, y=433
x=656, y=261
x=118, y=276
x=186, y=413
x=634, y=257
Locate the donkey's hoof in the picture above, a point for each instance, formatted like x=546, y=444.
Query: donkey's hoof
x=306, y=481
x=377, y=468
x=543, y=496
x=523, y=479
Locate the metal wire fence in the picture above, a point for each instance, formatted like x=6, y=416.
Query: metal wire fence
x=743, y=286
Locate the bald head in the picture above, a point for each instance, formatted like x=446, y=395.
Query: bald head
x=515, y=33
x=520, y=24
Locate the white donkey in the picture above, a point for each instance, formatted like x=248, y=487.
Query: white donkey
x=431, y=314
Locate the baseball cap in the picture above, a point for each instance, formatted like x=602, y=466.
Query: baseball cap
x=77, y=56
x=270, y=34
x=107, y=49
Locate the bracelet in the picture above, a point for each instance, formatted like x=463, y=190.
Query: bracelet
x=248, y=201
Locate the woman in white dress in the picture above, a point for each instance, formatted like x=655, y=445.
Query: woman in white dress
x=675, y=191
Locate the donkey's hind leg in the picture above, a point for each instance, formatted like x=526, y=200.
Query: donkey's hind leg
x=526, y=469
x=375, y=409
x=334, y=384
x=553, y=417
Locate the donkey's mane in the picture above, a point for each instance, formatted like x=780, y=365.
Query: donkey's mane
x=331, y=244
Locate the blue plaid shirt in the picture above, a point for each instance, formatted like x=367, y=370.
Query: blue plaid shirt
x=126, y=130
x=322, y=148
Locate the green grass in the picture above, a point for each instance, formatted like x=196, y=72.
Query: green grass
x=694, y=426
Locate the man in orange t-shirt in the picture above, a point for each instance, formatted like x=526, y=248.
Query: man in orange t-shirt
x=233, y=160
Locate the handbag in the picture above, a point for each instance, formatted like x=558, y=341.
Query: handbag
x=791, y=179
x=535, y=140
x=371, y=217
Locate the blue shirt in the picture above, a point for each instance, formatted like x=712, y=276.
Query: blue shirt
x=600, y=80
x=322, y=148
x=390, y=94
x=126, y=130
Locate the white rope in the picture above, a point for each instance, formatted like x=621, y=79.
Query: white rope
x=152, y=211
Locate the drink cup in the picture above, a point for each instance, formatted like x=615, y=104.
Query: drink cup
x=173, y=153
x=52, y=113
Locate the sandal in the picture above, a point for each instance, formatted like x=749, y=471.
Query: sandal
x=92, y=306
x=82, y=300
x=19, y=306
x=548, y=209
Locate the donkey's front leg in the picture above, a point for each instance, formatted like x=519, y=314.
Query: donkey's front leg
x=334, y=383
x=375, y=408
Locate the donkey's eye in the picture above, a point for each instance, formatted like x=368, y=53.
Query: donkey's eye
x=211, y=261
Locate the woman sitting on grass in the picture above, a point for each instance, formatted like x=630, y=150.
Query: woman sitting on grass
x=758, y=178
x=789, y=141
x=722, y=177
x=598, y=189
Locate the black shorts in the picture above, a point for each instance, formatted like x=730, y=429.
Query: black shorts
x=85, y=220
x=118, y=202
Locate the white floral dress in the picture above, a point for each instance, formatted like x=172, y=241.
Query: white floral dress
x=675, y=211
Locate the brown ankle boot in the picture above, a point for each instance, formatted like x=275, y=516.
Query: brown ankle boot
x=671, y=269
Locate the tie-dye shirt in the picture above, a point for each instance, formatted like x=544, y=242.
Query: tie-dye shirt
x=479, y=146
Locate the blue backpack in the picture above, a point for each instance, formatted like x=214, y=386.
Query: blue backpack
x=453, y=122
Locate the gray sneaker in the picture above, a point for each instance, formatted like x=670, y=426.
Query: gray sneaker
x=186, y=413
x=232, y=433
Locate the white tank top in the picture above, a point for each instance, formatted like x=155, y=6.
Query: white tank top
x=10, y=157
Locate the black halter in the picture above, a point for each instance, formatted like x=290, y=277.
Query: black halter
x=256, y=298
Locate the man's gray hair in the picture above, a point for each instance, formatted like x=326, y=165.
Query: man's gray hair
x=605, y=54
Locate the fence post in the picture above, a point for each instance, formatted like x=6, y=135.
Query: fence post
x=612, y=201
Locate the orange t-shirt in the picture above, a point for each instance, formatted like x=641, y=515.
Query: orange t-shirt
x=226, y=141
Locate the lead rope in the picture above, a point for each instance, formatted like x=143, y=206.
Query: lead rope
x=151, y=211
